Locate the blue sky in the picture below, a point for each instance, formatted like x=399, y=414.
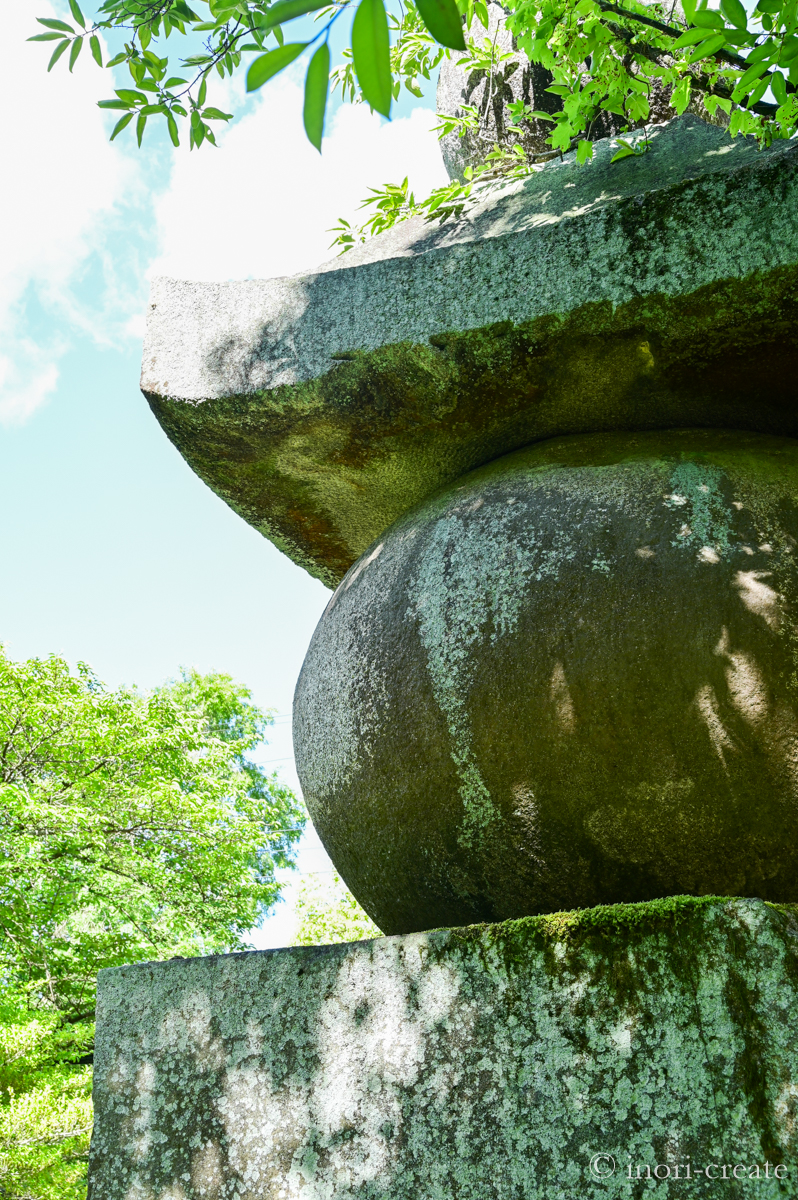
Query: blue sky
x=113, y=552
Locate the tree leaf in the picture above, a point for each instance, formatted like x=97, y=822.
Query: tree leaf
x=121, y=123
x=77, y=46
x=734, y=13
x=45, y=37
x=745, y=83
x=690, y=38
x=779, y=87
x=442, y=19
x=708, y=18
x=371, y=51
x=215, y=114
x=140, y=123
x=96, y=52
x=317, y=84
x=286, y=10
x=74, y=8
x=59, y=25
x=203, y=92
x=131, y=97
x=708, y=48
x=59, y=50
x=584, y=151
x=172, y=123
x=268, y=65
x=115, y=104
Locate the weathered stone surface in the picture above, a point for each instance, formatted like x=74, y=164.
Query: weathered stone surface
x=569, y=679
x=658, y=292
x=490, y=1063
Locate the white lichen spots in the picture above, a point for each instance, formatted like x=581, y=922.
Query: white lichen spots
x=560, y=695
x=645, y=552
x=600, y=562
x=749, y=550
x=738, y=504
x=697, y=487
x=707, y=704
x=766, y=548
x=708, y=554
x=469, y=587
x=621, y=1036
x=758, y=597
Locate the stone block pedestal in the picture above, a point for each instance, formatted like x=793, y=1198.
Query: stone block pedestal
x=636, y=1050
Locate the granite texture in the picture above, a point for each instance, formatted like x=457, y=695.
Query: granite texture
x=486, y=1063
x=657, y=292
x=568, y=679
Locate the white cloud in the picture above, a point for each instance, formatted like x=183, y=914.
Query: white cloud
x=263, y=203
x=80, y=218
x=61, y=178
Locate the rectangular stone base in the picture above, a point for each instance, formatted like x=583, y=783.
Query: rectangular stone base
x=581, y=1055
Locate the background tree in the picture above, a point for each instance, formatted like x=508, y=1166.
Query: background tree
x=133, y=826
x=329, y=913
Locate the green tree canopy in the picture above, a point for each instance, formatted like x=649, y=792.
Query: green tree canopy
x=602, y=56
x=133, y=826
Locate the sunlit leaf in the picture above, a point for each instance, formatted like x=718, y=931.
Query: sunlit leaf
x=53, y=24
x=77, y=46
x=371, y=49
x=316, y=88
x=270, y=64
x=690, y=38
x=287, y=10
x=734, y=13
x=59, y=50
x=96, y=52
x=140, y=123
x=120, y=125
x=442, y=19
x=708, y=48
x=74, y=8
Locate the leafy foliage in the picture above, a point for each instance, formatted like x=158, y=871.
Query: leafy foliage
x=329, y=913
x=132, y=826
x=603, y=56
x=45, y=1102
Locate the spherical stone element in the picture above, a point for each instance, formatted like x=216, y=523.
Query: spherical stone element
x=569, y=679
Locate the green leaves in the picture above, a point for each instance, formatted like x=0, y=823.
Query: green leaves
x=287, y=10
x=53, y=24
x=707, y=48
x=59, y=50
x=96, y=52
x=371, y=51
x=268, y=65
x=317, y=84
x=734, y=13
x=74, y=8
x=442, y=19
x=122, y=123
x=77, y=46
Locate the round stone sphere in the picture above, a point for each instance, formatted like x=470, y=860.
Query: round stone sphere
x=569, y=679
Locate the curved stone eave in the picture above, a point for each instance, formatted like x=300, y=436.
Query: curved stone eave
x=652, y=293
